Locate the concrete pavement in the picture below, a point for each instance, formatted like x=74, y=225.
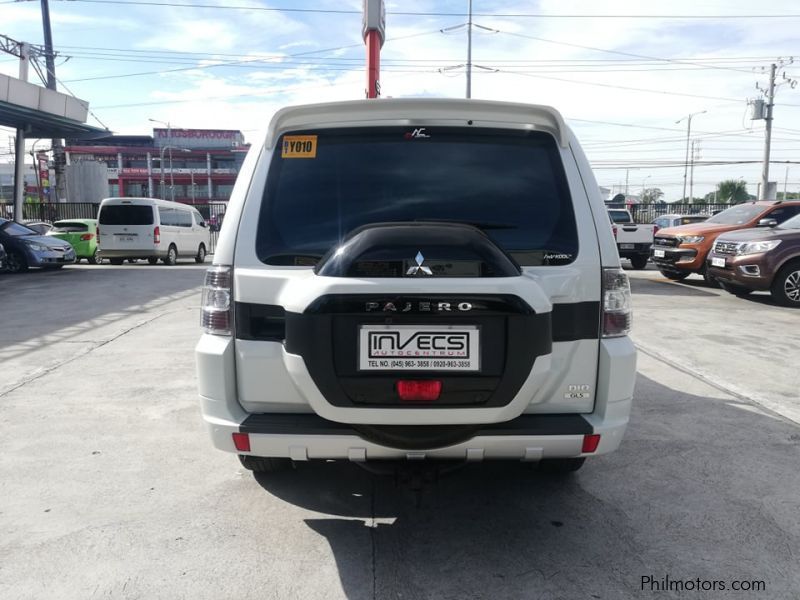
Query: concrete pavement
x=109, y=487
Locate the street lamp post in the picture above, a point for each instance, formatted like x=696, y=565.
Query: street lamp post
x=688, y=133
x=643, y=184
x=161, y=167
x=161, y=162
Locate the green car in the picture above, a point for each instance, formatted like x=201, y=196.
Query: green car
x=82, y=235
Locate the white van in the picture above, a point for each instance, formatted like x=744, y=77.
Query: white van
x=131, y=228
x=416, y=279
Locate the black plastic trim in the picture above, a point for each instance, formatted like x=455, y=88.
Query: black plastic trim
x=401, y=250
x=576, y=321
x=313, y=424
x=261, y=322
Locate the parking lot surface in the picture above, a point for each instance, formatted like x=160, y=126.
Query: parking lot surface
x=109, y=487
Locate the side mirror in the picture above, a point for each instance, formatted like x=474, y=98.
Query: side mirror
x=767, y=223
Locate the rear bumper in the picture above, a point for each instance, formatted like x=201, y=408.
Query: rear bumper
x=304, y=435
x=133, y=253
x=308, y=437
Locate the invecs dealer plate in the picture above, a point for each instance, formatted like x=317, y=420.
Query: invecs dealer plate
x=419, y=348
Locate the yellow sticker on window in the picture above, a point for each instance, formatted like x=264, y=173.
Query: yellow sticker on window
x=299, y=146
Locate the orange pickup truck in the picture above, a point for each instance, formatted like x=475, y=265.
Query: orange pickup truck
x=680, y=251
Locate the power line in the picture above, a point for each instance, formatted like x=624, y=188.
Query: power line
x=440, y=14
x=608, y=85
x=238, y=62
x=620, y=53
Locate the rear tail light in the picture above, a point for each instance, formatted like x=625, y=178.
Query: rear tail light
x=86, y=237
x=217, y=307
x=419, y=391
x=98, y=233
x=614, y=231
x=157, y=235
x=617, y=315
x=655, y=229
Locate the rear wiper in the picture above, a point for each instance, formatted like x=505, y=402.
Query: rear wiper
x=478, y=224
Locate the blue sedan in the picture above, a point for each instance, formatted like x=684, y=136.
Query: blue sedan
x=26, y=248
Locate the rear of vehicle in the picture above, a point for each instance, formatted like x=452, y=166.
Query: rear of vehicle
x=81, y=234
x=765, y=259
x=416, y=279
x=129, y=228
x=633, y=241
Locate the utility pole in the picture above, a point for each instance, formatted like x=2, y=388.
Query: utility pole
x=627, y=172
x=373, y=30
x=785, y=182
x=695, y=156
x=688, y=133
x=768, y=133
x=58, y=148
x=469, y=50
x=767, y=115
x=19, y=142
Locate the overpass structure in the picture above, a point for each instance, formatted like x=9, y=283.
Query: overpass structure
x=37, y=112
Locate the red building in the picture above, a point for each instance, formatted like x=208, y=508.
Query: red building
x=185, y=165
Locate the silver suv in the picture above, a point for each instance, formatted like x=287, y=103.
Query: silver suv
x=416, y=279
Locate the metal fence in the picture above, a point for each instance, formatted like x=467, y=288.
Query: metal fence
x=213, y=213
x=646, y=213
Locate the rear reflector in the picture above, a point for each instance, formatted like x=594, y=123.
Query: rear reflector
x=419, y=391
x=242, y=441
x=590, y=442
x=86, y=237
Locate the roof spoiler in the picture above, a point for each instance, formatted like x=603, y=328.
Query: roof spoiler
x=418, y=111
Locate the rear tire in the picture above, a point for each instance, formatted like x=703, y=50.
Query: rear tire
x=116, y=261
x=172, y=256
x=263, y=464
x=561, y=466
x=785, y=288
x=15, y=262
x=95, y=259
x=152, y=260
x=674, y=275
x=639, y=262
x=201, y=254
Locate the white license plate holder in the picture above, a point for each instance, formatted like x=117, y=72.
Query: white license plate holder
x=626, y=246
x=403, y=348
x=658, y=253
x=718, y=262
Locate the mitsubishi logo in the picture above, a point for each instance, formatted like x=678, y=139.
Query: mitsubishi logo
x=419, y=269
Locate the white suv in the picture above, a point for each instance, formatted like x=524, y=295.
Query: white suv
x=416, y=279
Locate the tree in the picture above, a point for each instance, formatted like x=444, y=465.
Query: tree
x=732, y=191
x=652, y=196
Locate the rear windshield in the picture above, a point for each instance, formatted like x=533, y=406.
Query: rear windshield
x=620, y=216
x=737, y=215
x=126, y=214
x=69, y=227
x=509, y=184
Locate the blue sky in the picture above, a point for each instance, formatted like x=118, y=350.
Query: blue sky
x=229, y=68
